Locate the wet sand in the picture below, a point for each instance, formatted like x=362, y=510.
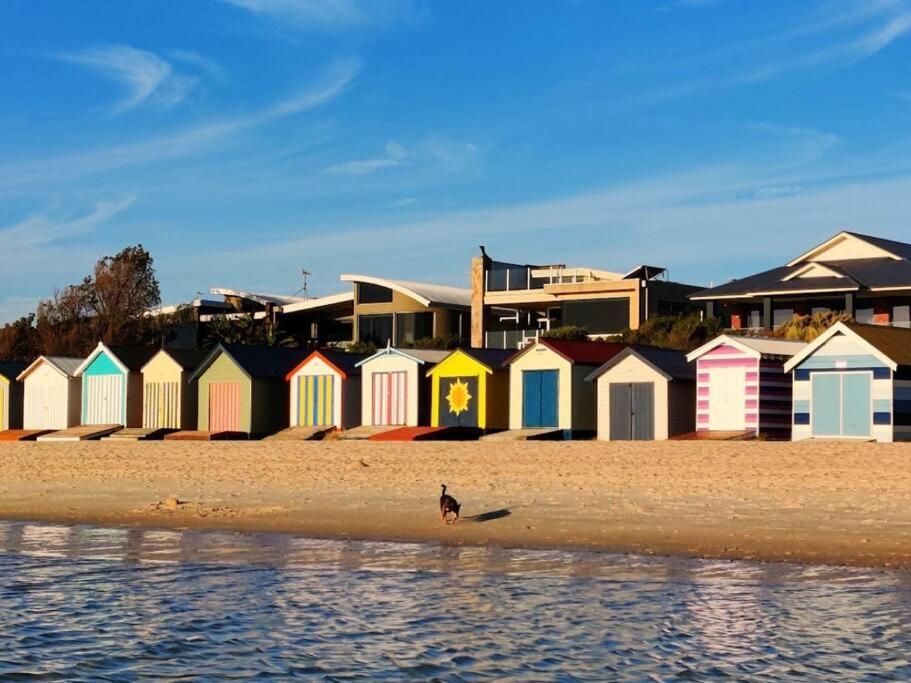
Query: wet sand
x=834, y=503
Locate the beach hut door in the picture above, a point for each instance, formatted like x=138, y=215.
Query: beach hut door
x=458, y=402
x=224, y=406
x=316, y=398
x=842, y=404
x=632, y=411
x=161, y=405
x=390, y=398
x=539, y=399
x=105, y=400
x=45, y=407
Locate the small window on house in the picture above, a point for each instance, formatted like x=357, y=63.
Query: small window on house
x=864, y=315
x=373, y=294
x=901, y=316
x=782, y=316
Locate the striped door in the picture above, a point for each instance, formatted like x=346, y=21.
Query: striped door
x=103, y=400
x=316, y=400
x=45, y=406
x=390, y=398
x=161, y=405
x=224, y=406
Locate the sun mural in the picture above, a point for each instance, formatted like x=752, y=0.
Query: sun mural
x=458, y=397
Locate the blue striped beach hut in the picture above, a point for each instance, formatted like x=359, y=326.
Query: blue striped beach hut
x=853, y=382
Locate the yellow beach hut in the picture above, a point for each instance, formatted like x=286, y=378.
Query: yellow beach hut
x=53, y=393
x=10, y=395
x=169, y=398
x=471, y=389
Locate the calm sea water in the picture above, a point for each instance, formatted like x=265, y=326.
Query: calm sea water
x=83, y=603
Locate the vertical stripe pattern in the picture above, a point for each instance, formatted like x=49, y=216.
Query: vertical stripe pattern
x=46, y=405
x=316, y=400
x=161, y=405
x=104, y=400
x=224, y=406
x=390, y=398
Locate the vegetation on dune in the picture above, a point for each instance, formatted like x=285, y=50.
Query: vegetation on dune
x=571, y=332
x=684, y=332
x=806, y=328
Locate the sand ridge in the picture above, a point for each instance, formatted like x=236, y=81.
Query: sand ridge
x=843, y=502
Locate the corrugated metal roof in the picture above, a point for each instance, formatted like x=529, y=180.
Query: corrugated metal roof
x=67, y=366
x=671, y=362
x=768, y=346
x=425, y=293
x=894, y=342
x=11, y=369
x=430, y=356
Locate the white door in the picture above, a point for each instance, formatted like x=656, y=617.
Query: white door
x=104, y=404
x=45, y=406
x=727, y=399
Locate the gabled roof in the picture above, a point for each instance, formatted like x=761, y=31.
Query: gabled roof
x=422, y=292
x=256, y=361
x=64, y=366
x=187, y=359
x=490, y=359
x=420, y=356
x=890, y=344
x=126, y=358
x=11, y=369
x=575, y=351
x=891, y=248
x=342, y=362
x=668, y=362
x=761, y=347
x=775, y=281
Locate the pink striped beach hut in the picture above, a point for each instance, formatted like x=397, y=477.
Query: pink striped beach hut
x=741, y=385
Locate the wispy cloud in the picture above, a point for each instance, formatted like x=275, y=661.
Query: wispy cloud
x=395, y=156
x=39, y=229
x=404, y=201
x=330, y=14
x=148, y=78
x=211, y=68
x=331, y=84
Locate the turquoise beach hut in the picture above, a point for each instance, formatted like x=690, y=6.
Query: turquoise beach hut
x=112, y=385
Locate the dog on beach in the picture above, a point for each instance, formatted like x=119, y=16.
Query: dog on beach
x=449, y=506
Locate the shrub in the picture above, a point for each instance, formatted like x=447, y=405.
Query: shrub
x=566, y=332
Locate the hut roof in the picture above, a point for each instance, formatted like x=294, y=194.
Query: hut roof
x=891, y=344
x=669, y=362
x=256, y=361
x=422, y=356
x=584, y=352
x=343, y=362
x=68, y=367
x=11, y=369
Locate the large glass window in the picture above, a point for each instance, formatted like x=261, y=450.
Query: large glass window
x=606, y=316
x=374, y=328
x=373, y=294
x=412, y=326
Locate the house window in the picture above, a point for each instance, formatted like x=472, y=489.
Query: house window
x=782, y=316
x=412, y=326
x=864, y=315
x=373, y=294
x=901, y=316
x=374, y=328
x=607, y=316
x=755, y=319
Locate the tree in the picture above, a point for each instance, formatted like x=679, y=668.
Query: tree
x=19, y=340
x=120, y=291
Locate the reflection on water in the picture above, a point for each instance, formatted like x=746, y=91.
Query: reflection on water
x=83, y=603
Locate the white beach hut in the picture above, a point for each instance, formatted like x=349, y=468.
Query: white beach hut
x=53, y=393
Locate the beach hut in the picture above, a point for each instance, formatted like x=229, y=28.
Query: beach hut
x=547, y=385
x=53, y=393
x=853, y=382
x=242, y=388
x=395, y=388
x=326, y=390
x=11, y=395
x=112, y=385
x=169, y=398
x=470, y=388
x=645, y=393
x=741, y=385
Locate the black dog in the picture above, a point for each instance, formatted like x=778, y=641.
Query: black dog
x=448, y=506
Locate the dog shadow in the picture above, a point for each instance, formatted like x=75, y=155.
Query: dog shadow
x=489, y=516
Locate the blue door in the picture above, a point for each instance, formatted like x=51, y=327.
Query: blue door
x=540, y=401
x=841, y=404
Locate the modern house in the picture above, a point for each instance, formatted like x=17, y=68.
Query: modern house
x=53, y=393
x=112, y=385
x=242, y=388
x=853, y=382
x=547, y=386
x=169, y=398
x=11, y=395
x=868, y=278
x=742, y=386
x=326, y=390
x=645, y=393
x=395, y=388
x=512, y=303
x=470, y=388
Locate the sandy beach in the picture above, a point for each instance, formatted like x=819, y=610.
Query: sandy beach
x=842, y=503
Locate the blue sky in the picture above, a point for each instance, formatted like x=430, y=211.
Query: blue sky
x=243, y=140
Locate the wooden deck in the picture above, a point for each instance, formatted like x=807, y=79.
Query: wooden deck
x=526, y=435
x=206, y=436
x=137, y=434
x=81, y=433
x=23, y=434
x=364, y=432
x=429, y=434
x=301, y=434
x=715, y=436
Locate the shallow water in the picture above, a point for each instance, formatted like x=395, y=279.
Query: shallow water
x=84, y=603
